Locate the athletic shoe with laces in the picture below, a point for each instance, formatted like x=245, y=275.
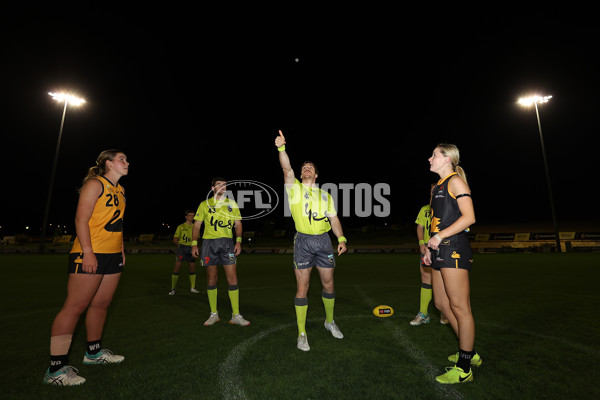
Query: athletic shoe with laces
x=455, y=375
x=303, y=342
x=172, y=292
x=333, y=328
x=66, y=376
x=420, y=319
x=194, y=290
x=214, y=317
x=475, y=360
x=444, y=320
x=238, y=319
x=104, y=356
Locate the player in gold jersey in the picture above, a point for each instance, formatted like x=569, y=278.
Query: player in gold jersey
x=314, y=216
x=95, y=264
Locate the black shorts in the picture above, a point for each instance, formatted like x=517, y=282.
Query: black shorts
x=184, y=253
x=453, y=252
x=218, y=252
x=107, y=263
x=313, y=250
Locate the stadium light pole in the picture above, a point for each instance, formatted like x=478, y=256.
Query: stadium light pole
x=74, y=101
x=528, y=101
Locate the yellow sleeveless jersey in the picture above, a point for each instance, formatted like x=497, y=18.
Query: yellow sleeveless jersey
x=106, y=223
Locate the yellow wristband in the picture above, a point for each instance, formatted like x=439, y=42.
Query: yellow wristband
x=238, y=239
x=194, y=243
x=342, y=239
x=281, y=148
x=421, y=242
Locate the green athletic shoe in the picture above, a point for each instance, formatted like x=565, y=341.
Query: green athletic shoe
x=475, y=361
x=455, y=375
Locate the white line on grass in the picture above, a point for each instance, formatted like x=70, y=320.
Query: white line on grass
x=229, y=376
x=416, y=354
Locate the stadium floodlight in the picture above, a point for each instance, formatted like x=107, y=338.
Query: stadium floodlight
x=74, y=101
x=67, y=98
x=528, y=101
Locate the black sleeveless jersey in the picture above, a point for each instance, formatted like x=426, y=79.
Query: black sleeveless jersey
x=444, y=207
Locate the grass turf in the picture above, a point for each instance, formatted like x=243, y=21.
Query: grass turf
x=534, y=315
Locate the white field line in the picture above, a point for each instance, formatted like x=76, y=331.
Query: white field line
x=417, y=355
x=229, y=376
x=231, y=383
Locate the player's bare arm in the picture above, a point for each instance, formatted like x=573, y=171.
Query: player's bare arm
x=284, y=160
x=336, y=227
x=123, y=242
x=85, y=207
x=458, y=187
x=427, y=257
x=195, y=236
x=238, y=234
x=420, y=237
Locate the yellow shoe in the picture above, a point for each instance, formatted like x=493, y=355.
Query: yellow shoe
x=455, y=375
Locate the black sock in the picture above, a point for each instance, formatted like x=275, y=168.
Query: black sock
x=57, y=362
x=464, y=359
x=93, y=347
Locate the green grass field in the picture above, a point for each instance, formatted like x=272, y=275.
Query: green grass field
x=537, y=332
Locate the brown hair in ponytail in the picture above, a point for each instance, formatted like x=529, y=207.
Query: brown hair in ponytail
x=100, y=167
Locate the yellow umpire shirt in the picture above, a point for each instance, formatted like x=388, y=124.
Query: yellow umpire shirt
x=310, y=207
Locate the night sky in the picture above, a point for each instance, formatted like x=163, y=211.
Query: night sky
x=365, y=94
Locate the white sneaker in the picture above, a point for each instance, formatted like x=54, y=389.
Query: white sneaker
x=104, y=356
x=194, y=290
x=172, y=292
x=335, y=331
x=444, y=320
x=420, y=319
x=303, y=342
x=66, y=376
x=214, y=317
x=237, y=319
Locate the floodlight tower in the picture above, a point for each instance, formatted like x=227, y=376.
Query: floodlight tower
x=74, y=101
x=535, y=100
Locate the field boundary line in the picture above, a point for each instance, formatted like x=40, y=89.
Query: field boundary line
x=229, y=378
x=417, y=355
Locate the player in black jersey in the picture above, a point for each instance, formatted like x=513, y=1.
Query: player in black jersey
x=450, y=256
